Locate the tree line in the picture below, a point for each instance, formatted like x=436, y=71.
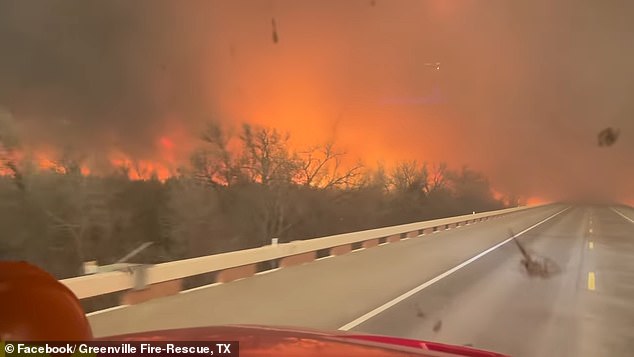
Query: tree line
x=228, y=197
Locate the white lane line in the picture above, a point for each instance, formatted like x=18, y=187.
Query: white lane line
x=106, y=310
x=269, y=271
x=327, y=257
x=621, y=214
x=428, y=283
x=200, y=288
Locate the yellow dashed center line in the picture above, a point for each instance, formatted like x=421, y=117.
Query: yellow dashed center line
x=590, y=230
x=591, y=282
x=590, y=245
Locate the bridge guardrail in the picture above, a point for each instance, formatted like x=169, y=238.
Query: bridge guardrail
x=164, y=279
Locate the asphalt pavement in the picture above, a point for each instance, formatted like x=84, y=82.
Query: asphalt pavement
x=327, y=293
x=585, y=307
x=463, y=286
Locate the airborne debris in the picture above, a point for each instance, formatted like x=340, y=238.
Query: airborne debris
x=420, y=312
x=608, y=136
x=232, y=52
x=433, y=65
x=274, y=27
x=438, y=326
x=535, y=265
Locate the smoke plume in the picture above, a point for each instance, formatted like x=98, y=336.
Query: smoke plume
x=521, y=90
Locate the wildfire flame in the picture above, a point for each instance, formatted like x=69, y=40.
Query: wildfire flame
x=136, y=169
x=141, y=169
x=534, y=201
x=161, y=168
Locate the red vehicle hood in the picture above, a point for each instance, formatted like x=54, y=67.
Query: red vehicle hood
x=281, y=341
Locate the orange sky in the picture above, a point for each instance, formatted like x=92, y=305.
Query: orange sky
x=518, y=101
x=333, y=75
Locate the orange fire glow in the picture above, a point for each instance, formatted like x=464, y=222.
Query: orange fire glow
x=136, y=169
x=166, y=143
x=497, y=195
x=360, y=76
x=141, y=169
x=535, y=201
x=45, y=163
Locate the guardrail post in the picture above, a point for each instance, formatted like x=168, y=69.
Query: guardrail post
x=341, y=249
x=297, y=259
x=231, y=274
x=141, y=291
x=139, y=274
x=370, y=243
x=90, y=267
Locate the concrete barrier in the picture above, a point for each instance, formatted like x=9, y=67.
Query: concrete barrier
x=370, y=243
x=297, y=259
x=153, y=291
x=231, y=274
x=394, y=238
x=99, y=284
x=239, y=264
x=341, y=249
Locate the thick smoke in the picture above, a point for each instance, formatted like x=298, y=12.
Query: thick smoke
x=522, y=89
x=99, y=74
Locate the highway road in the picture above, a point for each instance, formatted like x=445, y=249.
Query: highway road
x=461, y=286
x=587, y=309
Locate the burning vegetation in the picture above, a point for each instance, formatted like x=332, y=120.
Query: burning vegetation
x=236, y=192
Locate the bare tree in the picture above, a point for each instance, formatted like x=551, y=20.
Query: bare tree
x=215, y=164
x=277, y=207
x=376, y=179
x=472, y=189
x=322, y=167
x=409, y=177
x=438, y=178
x=266, y=157
x=83, y=213
x=193, y=218
x=269, y=167
x=205, y=167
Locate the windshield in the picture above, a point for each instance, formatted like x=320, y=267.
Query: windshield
x=302, y=152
